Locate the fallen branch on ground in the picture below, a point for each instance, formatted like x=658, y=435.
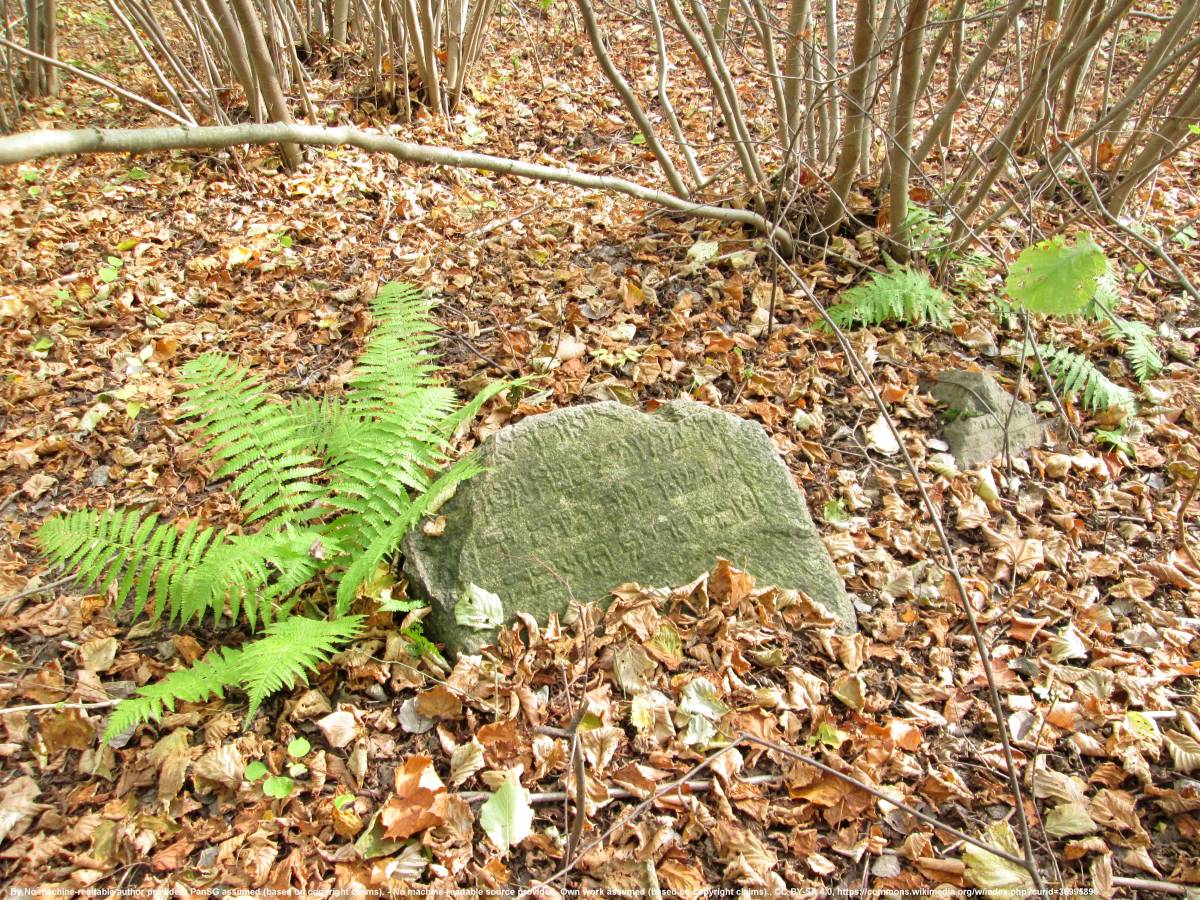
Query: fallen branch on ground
x=37, y=144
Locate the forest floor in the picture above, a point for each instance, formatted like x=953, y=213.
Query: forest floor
x=118, y=270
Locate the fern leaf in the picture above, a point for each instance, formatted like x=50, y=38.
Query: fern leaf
x=1075, y=375
x=102, y=546
x=470, y=409
x=900, y=295
x=208, y=677
x=398, y=358
x=1108, y=293
x=256, y=438
x=403, y=420
x=328, y=426
x=387, y=538
x=291, y=649
x=1138, y=338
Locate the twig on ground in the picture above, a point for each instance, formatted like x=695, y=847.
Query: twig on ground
x=1181, y=538
x=487, y=359
x=501, y=223
x=993, y=691
x=875, y=792
x=29, y=592
x=39, y=707
x=695, y=786
x=1148, y=884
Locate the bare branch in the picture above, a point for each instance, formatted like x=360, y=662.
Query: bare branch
x=96, y=79
x=37, y=144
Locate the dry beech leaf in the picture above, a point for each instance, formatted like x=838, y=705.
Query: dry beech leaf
x=881, y=438
x=1070, y=820
x=1185, y=750
x=418, y=802
x=683, y=880
x=638, y=779
x=340, y=728
x=17, y=805
x=1115, y=809
x=1081, y=848
x=465, y=761
x=972, y=513
x=439, y=702
x=221, y=765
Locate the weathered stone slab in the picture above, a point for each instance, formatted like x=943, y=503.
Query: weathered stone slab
x=581, y=500
x=976, y=410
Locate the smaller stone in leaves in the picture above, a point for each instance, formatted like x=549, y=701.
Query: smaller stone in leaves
x=1057, y=278
x=479, y=609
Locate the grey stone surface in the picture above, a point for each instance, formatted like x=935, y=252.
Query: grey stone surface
x=976, y=410
x=594, y=496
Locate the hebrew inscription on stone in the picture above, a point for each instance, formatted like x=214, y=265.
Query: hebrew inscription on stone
x=578, y=501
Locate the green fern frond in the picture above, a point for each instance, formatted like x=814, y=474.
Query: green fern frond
x=900, y=295
x=336, y=486
x=156, y=563
x=292, y=648
x=1075, y=375
x=189, y=571
x=388, y=538
x=326, y=425
x=1138, y=338
x=398, y=358
x=470, y=409
x=208, y=677
x=928, y=233
x=403, y=422
x=257, y=439
x=251, y=572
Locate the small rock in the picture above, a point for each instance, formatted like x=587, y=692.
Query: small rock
x=977, y=409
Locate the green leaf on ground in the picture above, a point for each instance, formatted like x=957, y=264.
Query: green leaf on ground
x=506, y=817
x=1057, y=278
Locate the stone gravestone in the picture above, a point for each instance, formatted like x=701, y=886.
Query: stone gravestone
x=581, y=500
x=976, y=410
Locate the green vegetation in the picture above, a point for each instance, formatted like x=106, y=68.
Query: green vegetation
x=899, y=295
x=333, y=486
